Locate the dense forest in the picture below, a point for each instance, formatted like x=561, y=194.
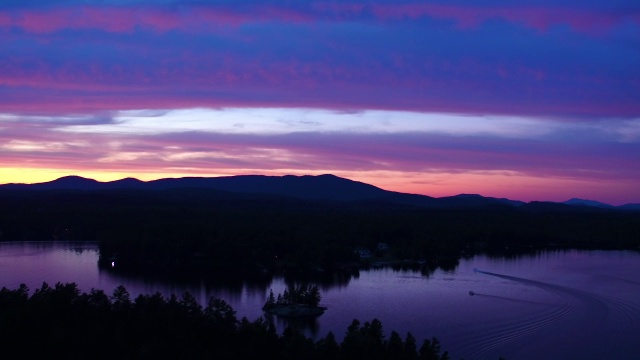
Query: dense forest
x=180, y=231
x=61, y=322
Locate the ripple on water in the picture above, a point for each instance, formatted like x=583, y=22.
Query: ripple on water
x=575, y=313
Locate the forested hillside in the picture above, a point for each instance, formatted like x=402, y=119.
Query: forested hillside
x=207, y=230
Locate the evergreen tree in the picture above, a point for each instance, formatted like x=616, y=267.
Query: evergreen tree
x=327, y=348
x=410, y=347
x=395, y=347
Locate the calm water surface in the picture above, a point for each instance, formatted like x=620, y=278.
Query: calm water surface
x=555, y=305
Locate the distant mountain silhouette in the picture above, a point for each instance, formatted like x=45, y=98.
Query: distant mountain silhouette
x=629, y=207
x=466, y=200
x=601, y=205
x=322, y=187
x=583, y=202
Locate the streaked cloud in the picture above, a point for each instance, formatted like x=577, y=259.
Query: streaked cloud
x=456, y=95
x=287, y=120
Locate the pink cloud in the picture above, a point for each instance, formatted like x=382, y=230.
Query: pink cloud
x=39, y=21
x=534, y=17
x=519, y=169
x=122, y=19
x=126, y=20
x=219, y=79
x=422, y=152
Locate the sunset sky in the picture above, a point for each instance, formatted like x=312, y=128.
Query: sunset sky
x=530, y=100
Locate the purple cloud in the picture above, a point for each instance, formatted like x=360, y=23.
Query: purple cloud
x=319, y=55
x=76, y=64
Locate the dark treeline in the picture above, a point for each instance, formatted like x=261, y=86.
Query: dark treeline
x=181, y=230
x=62, y=322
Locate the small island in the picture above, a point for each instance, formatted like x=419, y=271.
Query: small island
x=301, y=301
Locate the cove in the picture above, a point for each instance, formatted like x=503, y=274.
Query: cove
x=554, y=305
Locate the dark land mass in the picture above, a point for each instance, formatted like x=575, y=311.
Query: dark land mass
x=252, y=225
x=60, y=322
x=296, y=302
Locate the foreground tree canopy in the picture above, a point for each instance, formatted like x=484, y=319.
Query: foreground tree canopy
x=63, y=322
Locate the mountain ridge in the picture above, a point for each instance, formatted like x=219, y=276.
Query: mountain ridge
x=307, y=187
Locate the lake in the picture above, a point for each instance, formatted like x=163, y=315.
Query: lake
x=552, y=305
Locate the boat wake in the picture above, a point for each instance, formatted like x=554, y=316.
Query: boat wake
x=506, y=298
x=576, y=310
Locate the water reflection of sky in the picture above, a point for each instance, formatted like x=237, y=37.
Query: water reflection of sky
x=521, y=305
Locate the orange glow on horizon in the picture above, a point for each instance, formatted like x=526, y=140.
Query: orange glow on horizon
x=500, y=184
x=33, y=176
